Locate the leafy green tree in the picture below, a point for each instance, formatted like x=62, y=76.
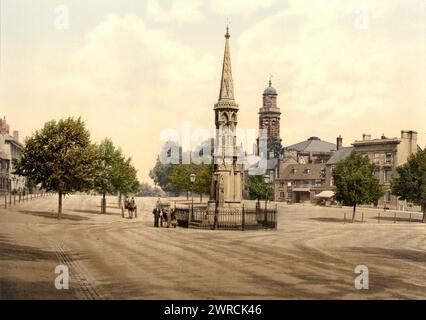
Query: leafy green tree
x=257, y=187
x=125, y=179
x=115, y=173
x=60, y=157
x=161, y=173
x=108, y=158
x=203, y=179
x=410, y=183
x=355, y=183
x=180, y=178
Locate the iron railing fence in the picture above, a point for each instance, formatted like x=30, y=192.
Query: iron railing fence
x=238, y=218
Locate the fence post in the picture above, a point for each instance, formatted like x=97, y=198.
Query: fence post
x=394, y=218
x=378, y=220
x=276, y=216
x=362, y=217
x=243, y=220
x=5, y=200
x=14, y=199
x=410, y=217
x=344, y=219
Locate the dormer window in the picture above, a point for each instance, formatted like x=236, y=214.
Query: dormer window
x=307, y=171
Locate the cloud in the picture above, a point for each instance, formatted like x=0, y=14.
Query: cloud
x=178, y=10
x=127, y=81
x=240, y=7
x=325, y=67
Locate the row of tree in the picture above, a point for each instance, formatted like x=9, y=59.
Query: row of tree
x=175, y=178
x=61, y=158
x=355, y=183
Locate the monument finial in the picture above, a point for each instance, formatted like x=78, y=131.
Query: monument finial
x=227, y=35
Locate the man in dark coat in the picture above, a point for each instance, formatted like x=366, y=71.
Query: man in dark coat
x=157, y=213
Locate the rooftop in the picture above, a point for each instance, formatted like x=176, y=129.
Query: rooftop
x=303, y=171
x=314, y=145
x=340, y=155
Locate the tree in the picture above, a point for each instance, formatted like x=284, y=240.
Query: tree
x=203, y=179
x=125, y=179
x=355, y=182
x=410, y=182
x=115, y=173
x=108, y=158
x=60, y=157
x=179, y=179
x=257, y=188
x=161, y=173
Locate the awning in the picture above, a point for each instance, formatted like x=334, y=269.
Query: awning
x=325, y=194
x=301, y=190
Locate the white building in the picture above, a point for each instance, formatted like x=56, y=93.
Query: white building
x=10, y=150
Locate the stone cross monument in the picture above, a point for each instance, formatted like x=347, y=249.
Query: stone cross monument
x=226, y=188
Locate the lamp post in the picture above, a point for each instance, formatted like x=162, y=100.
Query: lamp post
x=266, y=179
x=192, y=179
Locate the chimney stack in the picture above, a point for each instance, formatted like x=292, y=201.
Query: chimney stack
x=339, y=142
x=16, y=135
x=366, y=137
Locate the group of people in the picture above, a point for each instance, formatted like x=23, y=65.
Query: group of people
x=164, y=215
x=130, y=206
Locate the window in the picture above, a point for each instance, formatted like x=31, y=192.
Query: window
x=282, y=194
x=386, y=176
x=289, y=184
x=376, y=158
x=377, y=173
x=294, y=170
x=389, y=158
x=307, y=171
x=318, y=182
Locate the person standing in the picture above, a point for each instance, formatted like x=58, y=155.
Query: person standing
x=156, y=212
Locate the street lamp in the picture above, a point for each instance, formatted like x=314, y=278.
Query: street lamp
x=266, y=179
x=192, y=179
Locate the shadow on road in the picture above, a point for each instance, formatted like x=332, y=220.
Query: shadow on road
x=404, y=254
x=12, y=252
x=98, y=212
x=51, y=215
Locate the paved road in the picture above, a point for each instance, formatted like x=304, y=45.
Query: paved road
x=312, y=255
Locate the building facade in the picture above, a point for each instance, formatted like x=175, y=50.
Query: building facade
x=386, y=154
x=300, y=183
x=10, y=151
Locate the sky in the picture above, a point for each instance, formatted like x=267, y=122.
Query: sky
x=132, y=69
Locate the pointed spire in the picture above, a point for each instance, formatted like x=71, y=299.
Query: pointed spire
x=227, y=84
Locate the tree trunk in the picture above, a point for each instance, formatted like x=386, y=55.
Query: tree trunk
x=187, y=194
x=103, y=209
x=119, y=200
x=353, y=214
x=424, y=213
x=201, y=197
x=59, y=204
